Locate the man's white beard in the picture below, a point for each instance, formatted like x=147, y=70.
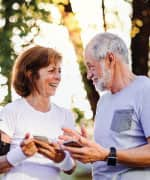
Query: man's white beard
x=101, y=85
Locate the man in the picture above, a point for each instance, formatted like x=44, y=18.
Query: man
x=122, y=121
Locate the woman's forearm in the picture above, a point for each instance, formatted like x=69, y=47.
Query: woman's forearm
x=4, y=165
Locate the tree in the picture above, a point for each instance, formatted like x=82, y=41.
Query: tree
x=140, y=36
x=70, y=21
x=18, y=16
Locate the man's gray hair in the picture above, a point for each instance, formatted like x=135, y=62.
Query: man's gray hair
x=106, y=42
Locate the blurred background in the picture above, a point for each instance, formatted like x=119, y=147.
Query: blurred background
x=67, y=25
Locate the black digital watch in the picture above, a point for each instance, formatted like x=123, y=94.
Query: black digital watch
x=112, y=157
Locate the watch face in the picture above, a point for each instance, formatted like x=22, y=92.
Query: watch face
x=112, y=159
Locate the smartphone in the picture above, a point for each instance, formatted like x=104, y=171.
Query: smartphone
x=41, y=138
x=72, y=143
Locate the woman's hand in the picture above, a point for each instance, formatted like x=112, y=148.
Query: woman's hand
x=50, y=150
x=28, y=146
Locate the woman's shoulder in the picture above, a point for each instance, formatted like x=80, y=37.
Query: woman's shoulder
x=12, y=106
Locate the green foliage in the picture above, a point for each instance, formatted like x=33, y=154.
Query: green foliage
x=20, y=16
x=79, y=115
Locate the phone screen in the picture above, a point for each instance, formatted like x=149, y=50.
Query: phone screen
x=72, y=144
x=41, y=138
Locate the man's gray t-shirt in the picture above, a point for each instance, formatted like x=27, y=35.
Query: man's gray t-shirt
x=123, y=120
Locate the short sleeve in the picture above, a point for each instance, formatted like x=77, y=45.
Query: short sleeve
x=69, y=120
x=145, y=111
x=7, y=121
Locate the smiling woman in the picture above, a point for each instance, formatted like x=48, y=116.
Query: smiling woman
x=36, y=76
x=30, y=64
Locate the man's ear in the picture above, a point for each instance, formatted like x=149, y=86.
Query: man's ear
x=110, y=60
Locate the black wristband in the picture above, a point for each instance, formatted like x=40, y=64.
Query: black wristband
x=112, y=158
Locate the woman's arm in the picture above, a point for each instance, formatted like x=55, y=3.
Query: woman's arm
x=5, y=166
x=61, y=159
x=14, y=157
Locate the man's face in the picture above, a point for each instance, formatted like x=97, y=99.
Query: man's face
x=98, y=73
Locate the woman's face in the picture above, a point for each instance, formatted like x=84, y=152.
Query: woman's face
x=49, y=79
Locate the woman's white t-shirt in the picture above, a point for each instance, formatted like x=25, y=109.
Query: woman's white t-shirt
x=17, y=119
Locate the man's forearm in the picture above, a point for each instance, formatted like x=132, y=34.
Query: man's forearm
x=137, y=157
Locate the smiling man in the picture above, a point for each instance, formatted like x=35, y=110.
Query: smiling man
x=121, y=150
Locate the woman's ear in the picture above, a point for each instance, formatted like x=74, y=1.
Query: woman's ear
x=28, y=74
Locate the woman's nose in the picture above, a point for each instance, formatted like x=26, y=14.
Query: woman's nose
x=58, y=75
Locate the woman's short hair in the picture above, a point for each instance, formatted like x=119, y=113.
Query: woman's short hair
x=27, y=65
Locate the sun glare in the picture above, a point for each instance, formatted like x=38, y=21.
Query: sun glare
x=71, y=92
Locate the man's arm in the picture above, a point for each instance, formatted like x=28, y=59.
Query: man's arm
x=138, y=157
x=91, y=152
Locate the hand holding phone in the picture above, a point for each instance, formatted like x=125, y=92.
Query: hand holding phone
x=72, y=143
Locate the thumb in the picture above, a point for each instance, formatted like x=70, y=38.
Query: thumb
x=83, y=141
x=83, y=131
x=25, y=139
x=27, y=136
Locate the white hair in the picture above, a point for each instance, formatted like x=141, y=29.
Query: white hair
x=106, y=42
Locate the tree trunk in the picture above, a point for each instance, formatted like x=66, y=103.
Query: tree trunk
x=75, y=37
x=140, y=39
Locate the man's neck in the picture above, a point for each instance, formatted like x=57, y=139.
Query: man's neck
x=122, y=78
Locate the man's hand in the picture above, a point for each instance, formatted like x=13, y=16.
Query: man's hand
x=50, y=150
x=90, y=151
x=70, y=134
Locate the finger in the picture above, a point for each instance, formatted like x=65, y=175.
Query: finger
x=43, y=144
x=84, y=142
x=71, y=132
x=45, y=152
x=65, y=137
x=73, y=150
x=56, y=145
x=80, y=158
x=77, y=156
x=26, y=142
x=46, y=146
x=27, y=136
x=84, y=131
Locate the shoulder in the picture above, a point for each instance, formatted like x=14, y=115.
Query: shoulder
x=13, y=106
x=143, y=81
x=143, y=84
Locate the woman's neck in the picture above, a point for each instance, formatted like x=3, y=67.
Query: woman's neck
x=39, y=103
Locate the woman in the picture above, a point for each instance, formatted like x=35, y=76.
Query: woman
x=36, y=76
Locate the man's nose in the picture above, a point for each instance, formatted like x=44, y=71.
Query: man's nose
x=89, y=75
